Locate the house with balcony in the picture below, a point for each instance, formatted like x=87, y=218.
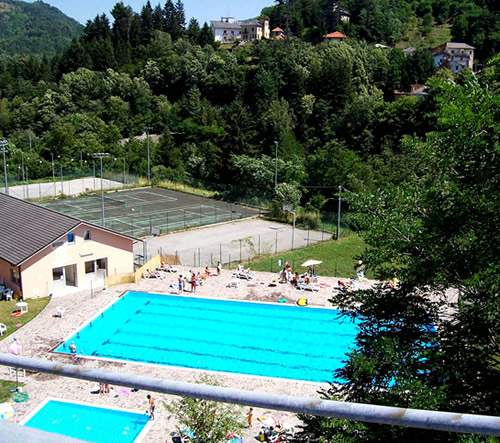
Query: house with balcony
x=228, y=30
x=454, y=56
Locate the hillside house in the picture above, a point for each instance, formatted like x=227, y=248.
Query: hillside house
x=278, y=34
x=454, y=56
x=335, y=36
x=228, y=30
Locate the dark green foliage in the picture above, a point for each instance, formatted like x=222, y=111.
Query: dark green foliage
x=436, y=229
x=35, y=28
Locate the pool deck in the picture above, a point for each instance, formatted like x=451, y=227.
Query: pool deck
x=46, y=331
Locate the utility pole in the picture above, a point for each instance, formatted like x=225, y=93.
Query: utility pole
x=147, y=129
x=276, y=166
x=338, y=213
x=3, y=144
x=100, y=156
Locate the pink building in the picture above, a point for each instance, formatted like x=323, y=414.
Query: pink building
x=44, y=252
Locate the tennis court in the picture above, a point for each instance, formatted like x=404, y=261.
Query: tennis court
x=139, y=212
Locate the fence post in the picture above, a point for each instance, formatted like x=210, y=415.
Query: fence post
x=132, y=224
x=231, y=211
x=240, y=250
x=199, y=257
x=167, y=222
x=259, y=245
x=307, y=236
x=271, y=264
x=201, y=215
x=229, y=261
x=211, y=259
x=276, y=244
x=184, y=218
x=215, y=209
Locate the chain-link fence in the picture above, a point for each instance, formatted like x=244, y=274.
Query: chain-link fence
x=238, y=251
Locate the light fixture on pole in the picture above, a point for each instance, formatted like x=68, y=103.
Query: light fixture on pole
x=3, y=144
x=147, y=129
x=276, y=166
x=100, y=156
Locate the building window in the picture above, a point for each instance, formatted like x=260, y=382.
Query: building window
x=57, y=274
x=89, y=267
x=14, y=275
x=86, y=234
x=71, y=237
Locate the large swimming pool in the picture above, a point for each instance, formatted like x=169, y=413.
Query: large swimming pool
x=89, y=423
x=273, y=340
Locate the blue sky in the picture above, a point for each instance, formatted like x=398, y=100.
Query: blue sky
x=202, y=10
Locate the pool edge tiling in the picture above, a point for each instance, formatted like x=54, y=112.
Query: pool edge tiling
x=239, y=337
x=71, y=426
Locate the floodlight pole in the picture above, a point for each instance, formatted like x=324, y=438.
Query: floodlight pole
x=100, y=156
x=338, y=213
x=147, y=128
x=4, y=143
x=276, y=166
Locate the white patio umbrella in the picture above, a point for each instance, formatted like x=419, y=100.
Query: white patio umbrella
x=311, y=263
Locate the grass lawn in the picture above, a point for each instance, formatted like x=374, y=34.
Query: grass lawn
x=35, y=306
x=338, y=258
x=5, y=387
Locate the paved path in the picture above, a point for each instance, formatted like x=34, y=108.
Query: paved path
x=230, y=242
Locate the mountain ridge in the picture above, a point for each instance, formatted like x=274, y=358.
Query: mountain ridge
x=35, y=28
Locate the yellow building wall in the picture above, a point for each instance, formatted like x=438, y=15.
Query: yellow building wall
x=36, y=273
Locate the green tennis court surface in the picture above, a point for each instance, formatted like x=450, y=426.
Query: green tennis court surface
x=137, y=212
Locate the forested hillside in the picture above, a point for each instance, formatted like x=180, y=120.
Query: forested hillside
x=34, y=28
x=475, y=22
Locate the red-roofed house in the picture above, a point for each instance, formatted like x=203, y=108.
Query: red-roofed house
x=335, y=36
x=278, y=34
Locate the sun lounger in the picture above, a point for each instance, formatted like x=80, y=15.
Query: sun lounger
x=234, y=283
x=244, y=275
x=152, y=274
x=309, y=287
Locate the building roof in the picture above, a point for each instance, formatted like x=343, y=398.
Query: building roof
x=225, y=25
x=336, y=34
x=454, y=45
x=278, y=29
x=28, y=228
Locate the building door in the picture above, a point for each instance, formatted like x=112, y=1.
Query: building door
x=70, y=275
x=95, y=271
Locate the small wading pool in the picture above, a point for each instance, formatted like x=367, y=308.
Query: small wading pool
x=89, y=423
x=271, y=340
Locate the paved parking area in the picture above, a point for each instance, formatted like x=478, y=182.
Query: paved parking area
x=230, y=242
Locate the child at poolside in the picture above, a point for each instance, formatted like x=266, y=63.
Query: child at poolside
x=151, y=400
x=72, y=347
x=250, y=417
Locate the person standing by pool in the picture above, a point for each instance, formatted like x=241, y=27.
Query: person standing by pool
x=151, y=400
x=181, y=283
x=250, y=417
x=219, y=268
x=193, y=283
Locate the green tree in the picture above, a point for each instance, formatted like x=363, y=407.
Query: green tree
x=436, y=230
x=210, y=421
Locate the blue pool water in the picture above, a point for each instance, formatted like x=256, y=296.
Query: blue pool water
x=272, y=340
x=88, y=423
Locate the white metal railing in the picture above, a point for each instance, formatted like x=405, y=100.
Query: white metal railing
x=417, y=418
